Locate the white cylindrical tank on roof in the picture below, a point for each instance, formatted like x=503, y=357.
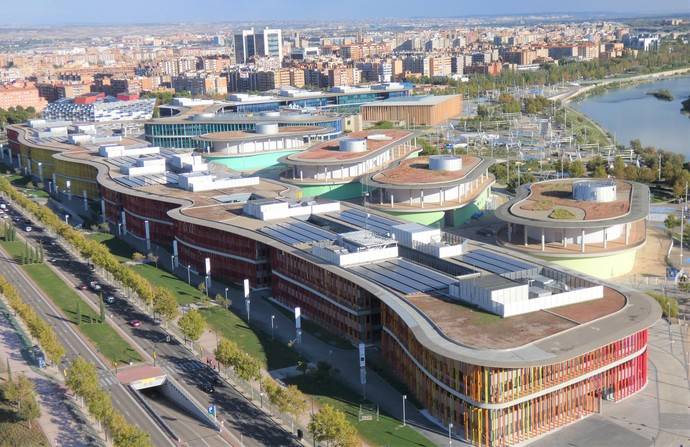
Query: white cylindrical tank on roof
x=353, y=145
x=595, y=191
x=445, y=163
x=267, y=128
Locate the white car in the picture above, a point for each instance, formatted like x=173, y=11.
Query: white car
x=28, y=229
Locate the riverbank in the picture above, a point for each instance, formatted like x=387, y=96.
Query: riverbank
x=613, y=83
x=632, y=113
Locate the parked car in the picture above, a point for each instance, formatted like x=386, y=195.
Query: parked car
x=109, y=299
x=82, y=286
x=28, y=229
x=135, y=323
x=95, y=286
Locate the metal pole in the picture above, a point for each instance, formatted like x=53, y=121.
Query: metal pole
x=189, y=277
x=404, y=399
x=273, y=318
x=450, y=434
x=226, y=294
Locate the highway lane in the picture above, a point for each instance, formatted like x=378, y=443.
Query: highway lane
x=75, y=346
x=238, y=414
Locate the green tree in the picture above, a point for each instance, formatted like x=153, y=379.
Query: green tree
x=672, y=221
x=619, y=168
x=192, y=324
x=165, y=304
x=82, y=378
x=577, y=169
x=226, y=351
x=331, y=427
x=600, y=172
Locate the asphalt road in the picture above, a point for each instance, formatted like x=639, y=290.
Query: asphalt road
x=75, y=346
x=239, y=415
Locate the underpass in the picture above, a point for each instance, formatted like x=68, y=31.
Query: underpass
x=178, y=413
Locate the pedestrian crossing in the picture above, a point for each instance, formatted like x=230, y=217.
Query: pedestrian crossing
x=189, y=365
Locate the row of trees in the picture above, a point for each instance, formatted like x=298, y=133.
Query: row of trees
x=671, y=54
x=328, y=425
x=16, y=115
x=81, y=376
x=21, y=396
x=82, y=379
x=38, y=328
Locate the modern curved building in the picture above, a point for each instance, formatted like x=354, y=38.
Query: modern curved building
x=261, y=148
x=333, y=169
x=590, y=225
x=438, y=190
x=500, y=345
x=183, y=129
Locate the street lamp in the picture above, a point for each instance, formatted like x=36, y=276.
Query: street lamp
x=273, y=318
x=226, y=294
x=172, y=263
x=404, y=397
x=67, y=219
x=189, y=278
x=450, y=434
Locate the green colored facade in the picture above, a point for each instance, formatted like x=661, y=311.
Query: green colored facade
x=251, y=162
x=342, y=191
x=437, y=219
x=603, y=267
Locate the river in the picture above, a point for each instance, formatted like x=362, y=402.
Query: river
x=630, y=113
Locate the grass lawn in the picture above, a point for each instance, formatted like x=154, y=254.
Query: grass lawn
x=13, y=248
x=184, y=293
x=18, y=433
x=117, y=247
x=319, y=332
x=384, y=432
x=273, y=354
x=108, y=342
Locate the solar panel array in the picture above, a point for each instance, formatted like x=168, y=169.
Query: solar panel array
x=404, y=276
x=374, y=223
x=298, y=232
x=495, y=263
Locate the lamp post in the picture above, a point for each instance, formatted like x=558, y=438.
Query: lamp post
x=226, y=294
x=273, y=319
x=189, y=275
x=172, y=263
x=404, y=399
x=450, y=434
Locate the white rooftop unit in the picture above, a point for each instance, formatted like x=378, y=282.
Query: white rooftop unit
x=506, y=297
x=145, y=166
x=357, y=247
x=426, y=239
x=278, y=209
x=113, y=151
x=198, y=181
x=189, y=162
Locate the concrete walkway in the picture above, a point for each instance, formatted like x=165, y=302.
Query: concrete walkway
x=61, y=421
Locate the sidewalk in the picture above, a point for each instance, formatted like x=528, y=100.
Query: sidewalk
x=63, y=424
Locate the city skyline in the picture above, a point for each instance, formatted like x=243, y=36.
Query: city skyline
x=44, y=12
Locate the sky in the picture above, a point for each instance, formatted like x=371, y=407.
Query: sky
x=163, y=11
